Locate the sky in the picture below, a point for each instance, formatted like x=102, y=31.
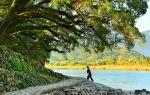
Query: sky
x=143, y=23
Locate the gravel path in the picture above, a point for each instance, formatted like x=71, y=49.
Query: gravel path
x=41, y=89
x=74, y=86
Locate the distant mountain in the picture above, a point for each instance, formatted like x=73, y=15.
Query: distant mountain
x=145, y=50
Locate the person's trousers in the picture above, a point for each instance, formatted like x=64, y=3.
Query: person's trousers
x=90, y=77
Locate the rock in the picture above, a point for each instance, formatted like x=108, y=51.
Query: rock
x=138, y=92
x=119, y=91
x=144, y=90
x=147, y=92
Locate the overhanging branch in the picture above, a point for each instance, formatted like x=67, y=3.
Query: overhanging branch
x=32, y=27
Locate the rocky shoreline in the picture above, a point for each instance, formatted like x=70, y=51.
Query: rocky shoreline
x=86, y=88
x=75, y=86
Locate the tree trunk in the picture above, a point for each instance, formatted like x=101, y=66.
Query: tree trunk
x=10, y=19
x=7, y=22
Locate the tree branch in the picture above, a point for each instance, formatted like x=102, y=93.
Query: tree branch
x=55, y=20
x=52, y=49
x=32, y=27
x=44, y=2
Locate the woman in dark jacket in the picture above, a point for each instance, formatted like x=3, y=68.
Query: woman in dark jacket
x=89, y=74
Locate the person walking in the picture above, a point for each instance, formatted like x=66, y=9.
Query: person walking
x=89, y=76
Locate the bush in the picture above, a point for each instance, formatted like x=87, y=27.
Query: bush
x=7, y=80
x=17, y=72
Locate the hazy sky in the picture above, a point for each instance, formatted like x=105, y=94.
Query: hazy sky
x=143, y=23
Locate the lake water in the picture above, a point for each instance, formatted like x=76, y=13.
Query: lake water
x=126, y=80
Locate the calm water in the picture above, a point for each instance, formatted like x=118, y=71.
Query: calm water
x=127, y=80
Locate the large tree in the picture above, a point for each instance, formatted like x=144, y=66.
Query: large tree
x=37, y=27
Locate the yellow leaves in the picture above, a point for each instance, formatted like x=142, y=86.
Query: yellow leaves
x=57, y=2
x=82, y=3
x=84, y=7
x=123, y=51
x=115, y=17
x=87, y=3
x=106, y=7
x=78, y=5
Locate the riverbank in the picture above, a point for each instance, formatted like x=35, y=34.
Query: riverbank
x=76, y=86
x=104, y=67
x=73, y=86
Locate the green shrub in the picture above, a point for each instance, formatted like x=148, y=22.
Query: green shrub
x=18, y=65
x=7, y=80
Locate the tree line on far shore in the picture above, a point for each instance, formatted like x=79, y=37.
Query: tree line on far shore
x=119, y=56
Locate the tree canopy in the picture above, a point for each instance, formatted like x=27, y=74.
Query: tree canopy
x=37, y=27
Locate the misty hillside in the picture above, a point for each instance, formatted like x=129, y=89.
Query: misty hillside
x=80, y=55
x=145, y=50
